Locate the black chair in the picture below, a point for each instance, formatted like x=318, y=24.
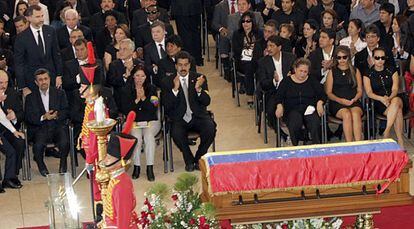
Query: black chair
x=192, y=136
x=261, y=114
x=238, y=77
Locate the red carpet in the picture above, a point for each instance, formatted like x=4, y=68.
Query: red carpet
x=389, y=218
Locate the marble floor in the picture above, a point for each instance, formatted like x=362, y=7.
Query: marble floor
x=236, y=131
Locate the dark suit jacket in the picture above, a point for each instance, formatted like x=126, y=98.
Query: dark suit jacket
x=34, y=109
x=143, y=35
x=115, y=78
x=186, y=7
x=316, y=58
x=63, y=35
x=176, y=106
x=151, y=57
x=72, y=69
x=221, y=11
x=82, y=8
x=140, y=18
x=258, y=50
x=77, y=110
x=67, y=54
x=28, y=56
x=166, y=68
x=361, y=60
x=97, y=21
x=102, y=39
x=266, y=70
x=14, y=102
x=93, y=6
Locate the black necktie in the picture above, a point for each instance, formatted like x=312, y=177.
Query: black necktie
x=40, y=42
x=162, y=51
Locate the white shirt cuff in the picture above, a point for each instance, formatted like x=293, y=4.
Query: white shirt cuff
x=276, y=84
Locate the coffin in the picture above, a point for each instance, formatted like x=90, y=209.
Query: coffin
x=306, y=181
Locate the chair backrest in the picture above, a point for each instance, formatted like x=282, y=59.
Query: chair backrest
x=402, y=64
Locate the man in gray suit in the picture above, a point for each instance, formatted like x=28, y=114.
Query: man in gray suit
x=226, y=22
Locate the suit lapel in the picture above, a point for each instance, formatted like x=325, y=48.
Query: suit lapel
x=46, y=38
x=39, y=98
x=52, y=99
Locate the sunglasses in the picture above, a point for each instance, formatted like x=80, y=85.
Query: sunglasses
x=246, y=21
x=152, y=12
x=341, y=57
x=380, y=57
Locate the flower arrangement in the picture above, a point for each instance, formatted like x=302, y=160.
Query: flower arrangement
x=332, y=223
x=187, y=212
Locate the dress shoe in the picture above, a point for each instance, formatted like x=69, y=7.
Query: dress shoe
x=189, y=167
x=2, y=189
x=7, y=183
x=150, y=173
x=136, y=172
x=196, y=166
x=17, y=181
x=63, y=166
x=44, y=172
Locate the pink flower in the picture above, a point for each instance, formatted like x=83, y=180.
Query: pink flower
x=284, y=226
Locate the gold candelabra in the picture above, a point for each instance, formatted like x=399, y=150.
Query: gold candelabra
x=101, y=130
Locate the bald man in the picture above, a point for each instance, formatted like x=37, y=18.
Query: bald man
x=72, y=22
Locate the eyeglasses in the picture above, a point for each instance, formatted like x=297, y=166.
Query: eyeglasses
x=380, y=57
x=246, y=21
x=152, y=12
x=341, y=57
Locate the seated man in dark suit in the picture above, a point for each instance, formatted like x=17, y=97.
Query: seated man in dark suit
x=259, y=50
x=80, y=6
x=97, y=21
x=143, y=33
x=271, y=70
x=155, y=51
x=34, y=48
x=69, y=53
x=364, y=59
x=72, y=69
x=186, y=104
x=12, y=142
x=321, y=59
x=72, y=22
x=140, y=16
x=46, y=114
x=119, y=72
x=166, y=66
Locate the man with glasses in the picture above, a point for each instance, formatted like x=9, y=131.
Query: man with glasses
x=143, y=33
x=363, y=59
x=140, y=16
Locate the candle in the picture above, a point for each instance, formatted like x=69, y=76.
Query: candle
x=99, y=109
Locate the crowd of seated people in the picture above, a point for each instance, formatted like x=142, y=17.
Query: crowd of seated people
x=309, y=58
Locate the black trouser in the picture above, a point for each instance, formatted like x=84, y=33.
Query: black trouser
x=13, y=148
x=77, y=128
x=188, y=28
x=57, y=134
x=206, y=127
x=296, y=119
x=246, y=67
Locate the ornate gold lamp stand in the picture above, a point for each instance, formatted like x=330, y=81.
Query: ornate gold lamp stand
x=101, y=130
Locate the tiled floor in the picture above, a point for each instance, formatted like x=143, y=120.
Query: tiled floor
x=236, y=130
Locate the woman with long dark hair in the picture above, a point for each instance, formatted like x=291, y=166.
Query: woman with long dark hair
x=308, y=43
x=21, y=7
x=141, y=97
x=243, y=43
x=329, y=20
x=381, y=85
x=111, y=50
x=344, y=90
x=354, y=40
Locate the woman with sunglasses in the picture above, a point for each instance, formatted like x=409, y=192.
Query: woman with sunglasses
x=381, y=85
x=344, y=89
x=243, y=43
x=300, y=100
x=141, y=97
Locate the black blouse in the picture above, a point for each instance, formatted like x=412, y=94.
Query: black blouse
x=298, y=96
x=146, y=110
x=381, y=81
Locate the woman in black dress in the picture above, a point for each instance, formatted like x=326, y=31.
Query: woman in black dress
x=111, y=50
x=243, y=44
x=344, y=89
x=381, y=85
x=300, y=100
x=309, y=42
